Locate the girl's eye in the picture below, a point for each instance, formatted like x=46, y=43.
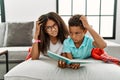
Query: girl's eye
x=48, y=27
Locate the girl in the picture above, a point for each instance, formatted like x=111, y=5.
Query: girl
x=50, y=33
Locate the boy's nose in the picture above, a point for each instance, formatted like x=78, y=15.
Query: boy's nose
x=74, y=36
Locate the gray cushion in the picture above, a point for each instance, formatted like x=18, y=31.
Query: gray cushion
x=19, y=34
x=2, y=33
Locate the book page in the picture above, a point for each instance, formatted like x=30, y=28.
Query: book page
x=58, y=57
x=68, y=61
x=83, y=61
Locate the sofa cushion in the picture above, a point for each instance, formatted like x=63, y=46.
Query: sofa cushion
x=16, y=54
x=19, y=34
x=2, y=33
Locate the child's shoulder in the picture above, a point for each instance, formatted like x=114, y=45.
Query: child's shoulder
x=68, y=40
x=88, y=37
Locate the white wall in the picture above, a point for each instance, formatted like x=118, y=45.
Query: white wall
x=117, y=40
x=29, y=10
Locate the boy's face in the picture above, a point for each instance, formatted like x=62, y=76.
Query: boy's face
x=77, y=34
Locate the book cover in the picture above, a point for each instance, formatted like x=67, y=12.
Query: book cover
x=68, y=61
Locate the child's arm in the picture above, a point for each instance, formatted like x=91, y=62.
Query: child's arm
x=62, y=64
x=69, y=56
x=98, y=40
x=34, y=51
x=73, y=66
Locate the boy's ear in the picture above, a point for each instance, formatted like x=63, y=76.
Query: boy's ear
x=85, y=31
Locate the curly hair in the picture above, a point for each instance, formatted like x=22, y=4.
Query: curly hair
x=44, y=37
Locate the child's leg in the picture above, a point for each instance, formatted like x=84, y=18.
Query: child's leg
x=110, y=59
x=96, y=53
x=100, y=54
x=29, y=54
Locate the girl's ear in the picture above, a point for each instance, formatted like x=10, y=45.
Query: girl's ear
x=45, y=31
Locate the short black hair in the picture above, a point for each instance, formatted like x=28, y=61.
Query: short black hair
x=75, y=21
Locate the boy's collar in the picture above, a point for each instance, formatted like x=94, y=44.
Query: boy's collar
x=83, y=43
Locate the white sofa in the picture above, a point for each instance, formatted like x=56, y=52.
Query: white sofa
x=113, y=49
x=15, y=37
x=47, y=69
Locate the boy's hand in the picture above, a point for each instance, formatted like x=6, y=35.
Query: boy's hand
x=75, y=66
x=84, y=21
x=62, y=64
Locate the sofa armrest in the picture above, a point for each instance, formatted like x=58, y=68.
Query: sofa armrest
x=16, y=54
x=6, y=55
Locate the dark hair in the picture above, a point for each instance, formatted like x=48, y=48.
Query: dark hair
x=75, y=21
x=44, y=37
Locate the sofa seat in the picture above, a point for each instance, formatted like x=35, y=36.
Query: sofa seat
x=47, y=69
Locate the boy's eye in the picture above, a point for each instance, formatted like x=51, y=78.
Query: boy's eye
x=77, y=33
x=70, y=33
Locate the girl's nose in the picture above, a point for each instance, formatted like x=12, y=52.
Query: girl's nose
x=53, y=29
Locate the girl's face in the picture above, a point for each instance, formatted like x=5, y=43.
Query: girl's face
x=51, y=28
x=77, y=34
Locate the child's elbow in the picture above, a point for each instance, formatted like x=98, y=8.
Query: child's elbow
x=104, y=45
x=101, y=45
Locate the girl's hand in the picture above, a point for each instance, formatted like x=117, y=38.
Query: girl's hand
x=75, y=66
x=62, y=64
x=37, y=31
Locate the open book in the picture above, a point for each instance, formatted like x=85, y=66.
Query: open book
x=68, y=61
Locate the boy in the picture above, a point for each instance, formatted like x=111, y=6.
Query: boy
x=79, y=46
